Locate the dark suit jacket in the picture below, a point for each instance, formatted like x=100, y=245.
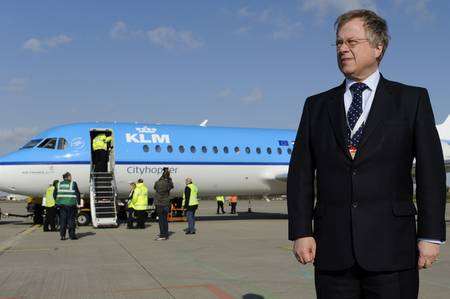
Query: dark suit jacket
x=364, y=211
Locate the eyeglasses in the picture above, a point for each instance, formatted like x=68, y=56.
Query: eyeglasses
x=351, y=43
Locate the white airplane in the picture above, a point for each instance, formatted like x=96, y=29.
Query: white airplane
x=220, y=160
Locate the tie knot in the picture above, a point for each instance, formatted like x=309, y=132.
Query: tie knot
x=358, y=87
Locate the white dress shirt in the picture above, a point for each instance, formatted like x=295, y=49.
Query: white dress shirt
x=367, y=97
x=367, y=100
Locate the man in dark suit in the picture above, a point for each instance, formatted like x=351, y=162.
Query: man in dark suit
x=356, y=146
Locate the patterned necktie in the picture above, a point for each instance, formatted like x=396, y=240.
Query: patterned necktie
x=354, y=112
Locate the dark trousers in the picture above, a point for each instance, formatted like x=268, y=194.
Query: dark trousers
x=220, y=206
x=233, y=207
x=140, y=218
x=190, y=214
x=50, y=217
x=37, y=214
x=163, y=211
x=67, y=220
x=101, y=161
x=130, y=218
x=357, y=283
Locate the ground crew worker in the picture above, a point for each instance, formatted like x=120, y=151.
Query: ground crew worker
x=233, y=202
x=130, y=209
x=220, y=201
x=100, y=146
x=140, y=203
x=190, y=203
x=67, y=198
x=162, y=203
x=50, y=208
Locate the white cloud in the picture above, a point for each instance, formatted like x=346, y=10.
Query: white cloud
x=13, y=138
x=256, y=95
x=119, y=30
x=170, y=38
x=166, y=37
x=324, y=7
x=16, y=85
x=280, y=26
x=224, y=93
x=243, y=30
x=41, y=45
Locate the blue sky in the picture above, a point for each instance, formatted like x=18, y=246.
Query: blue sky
x=236, y=63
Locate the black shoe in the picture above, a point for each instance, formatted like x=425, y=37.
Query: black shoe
x=187, y=232
x=193, y=233
x=63, y=238
x=74, y=238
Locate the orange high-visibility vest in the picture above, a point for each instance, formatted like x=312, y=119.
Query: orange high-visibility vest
x=233, y=198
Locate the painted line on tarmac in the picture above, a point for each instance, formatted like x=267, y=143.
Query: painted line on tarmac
x=9, y=243
x=219, y=293
x=215, y=290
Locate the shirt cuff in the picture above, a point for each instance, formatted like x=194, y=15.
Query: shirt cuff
x=431, y=241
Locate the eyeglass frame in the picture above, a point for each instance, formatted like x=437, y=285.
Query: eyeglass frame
x=356, y=41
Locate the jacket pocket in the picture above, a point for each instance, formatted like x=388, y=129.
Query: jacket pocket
x=403, y=208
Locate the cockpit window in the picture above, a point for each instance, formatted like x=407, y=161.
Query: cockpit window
x=32, y=143
x=49, y=143
x=62, y=143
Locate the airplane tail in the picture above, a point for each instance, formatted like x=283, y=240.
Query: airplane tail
x=444, y=129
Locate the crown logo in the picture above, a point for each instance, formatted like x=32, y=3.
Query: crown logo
x=146, y=130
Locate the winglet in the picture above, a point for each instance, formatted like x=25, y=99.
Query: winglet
x=203, y=124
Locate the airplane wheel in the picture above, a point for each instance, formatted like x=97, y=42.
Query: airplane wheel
x=83, y=219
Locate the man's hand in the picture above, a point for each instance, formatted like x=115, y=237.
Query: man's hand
x=428, y=253
x=305, y=250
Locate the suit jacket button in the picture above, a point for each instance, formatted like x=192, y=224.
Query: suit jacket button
x=355, y=204
x=354, y=172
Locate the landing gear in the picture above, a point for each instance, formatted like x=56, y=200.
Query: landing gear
x=83, y=218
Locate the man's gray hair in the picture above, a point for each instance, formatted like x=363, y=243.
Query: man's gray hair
x=376, y=27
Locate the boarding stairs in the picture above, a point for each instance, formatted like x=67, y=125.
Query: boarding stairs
x=103, y=202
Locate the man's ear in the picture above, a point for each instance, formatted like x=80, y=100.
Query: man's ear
x=378, y=51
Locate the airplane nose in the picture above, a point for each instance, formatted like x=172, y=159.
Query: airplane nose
x=6, y=179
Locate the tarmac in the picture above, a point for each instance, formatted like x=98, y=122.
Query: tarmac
x=232, y=256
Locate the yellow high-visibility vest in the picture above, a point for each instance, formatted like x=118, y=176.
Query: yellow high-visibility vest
x=220, y=198
x=49, y=200
x=140, y=197
x=193, y=200
x=100, y=142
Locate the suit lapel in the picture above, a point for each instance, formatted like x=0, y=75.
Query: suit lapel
x=378, y=112
x=338, y=120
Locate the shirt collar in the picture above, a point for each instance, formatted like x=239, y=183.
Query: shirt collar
x=371, y=81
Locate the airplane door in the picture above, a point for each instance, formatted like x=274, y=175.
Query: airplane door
x=96, y=159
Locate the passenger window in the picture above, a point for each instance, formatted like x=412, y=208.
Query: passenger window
x=215, y=149
x=158, y=148
x=49, y=143
x=32, y=143
x=289, y=151
x=169, y=148
x=279, y=150
x=204, y=149
x=269, y=150
x=237, y=150
x=145, y=148
x=247, y=150
x=225, y=150
x=258, y=150
x=181, y=149
x=62, y=144
x=193, y=149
